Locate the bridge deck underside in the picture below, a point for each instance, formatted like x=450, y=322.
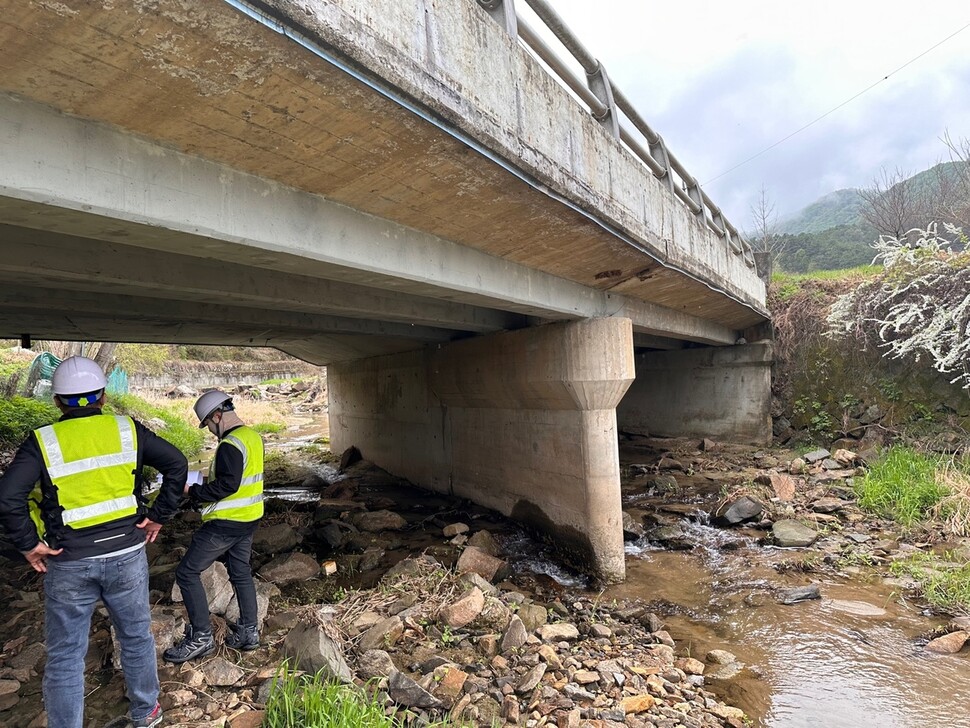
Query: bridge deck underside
x=201, y=79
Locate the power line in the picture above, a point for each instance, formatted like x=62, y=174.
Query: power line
x=830, y=111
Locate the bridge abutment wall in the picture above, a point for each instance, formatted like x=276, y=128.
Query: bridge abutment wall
x=722, y=393
x=522, y=422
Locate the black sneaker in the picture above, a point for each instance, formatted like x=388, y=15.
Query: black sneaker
x=243, y=637
x=151, y=720
x=193, y=645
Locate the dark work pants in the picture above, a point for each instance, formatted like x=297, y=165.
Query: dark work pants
x=208, y=545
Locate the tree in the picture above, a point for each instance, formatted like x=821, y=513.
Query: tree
x=953, y=181
x=768, y=244
x=894, y=207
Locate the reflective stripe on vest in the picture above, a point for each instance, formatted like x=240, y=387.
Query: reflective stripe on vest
x=91, y=463
x=246, y=504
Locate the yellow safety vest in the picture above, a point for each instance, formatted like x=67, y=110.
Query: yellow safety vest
x=91, y=461
x=246, y=504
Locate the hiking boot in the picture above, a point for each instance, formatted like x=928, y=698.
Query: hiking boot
x=243, y=637
x=151, y=720
x=194, y=644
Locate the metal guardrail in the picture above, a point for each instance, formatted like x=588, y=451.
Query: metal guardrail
x=606, y=103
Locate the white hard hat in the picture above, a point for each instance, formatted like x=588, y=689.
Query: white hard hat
x=209, y=403
x=78, y=375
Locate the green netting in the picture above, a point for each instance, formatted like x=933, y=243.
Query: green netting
x=42, y=370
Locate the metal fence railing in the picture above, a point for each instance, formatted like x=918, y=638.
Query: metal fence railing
x=608, y=105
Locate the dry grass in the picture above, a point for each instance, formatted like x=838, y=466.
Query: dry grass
x=435, y=586
x=251, y=411
x=954, y=509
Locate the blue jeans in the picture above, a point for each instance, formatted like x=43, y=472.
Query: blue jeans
x=208, y=545
x=72, y=590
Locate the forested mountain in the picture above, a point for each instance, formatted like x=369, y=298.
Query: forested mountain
x=837, y=230
x=834, y=209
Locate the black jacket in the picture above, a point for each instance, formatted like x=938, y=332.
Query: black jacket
x=27, y=468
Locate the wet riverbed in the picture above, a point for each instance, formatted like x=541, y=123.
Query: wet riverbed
x=853, y=658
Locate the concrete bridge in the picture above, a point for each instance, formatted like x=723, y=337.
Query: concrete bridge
x=496, y=268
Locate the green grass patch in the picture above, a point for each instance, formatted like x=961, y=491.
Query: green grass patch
x=20, y=415
x=903, y=485
x=186, y=437
x=943, y=583
x=268, y=428
x=304, y=700
x=280, y=380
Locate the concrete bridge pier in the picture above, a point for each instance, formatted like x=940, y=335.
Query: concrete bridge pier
x=523, y=422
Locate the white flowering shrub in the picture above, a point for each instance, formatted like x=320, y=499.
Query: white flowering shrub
x=919, y=308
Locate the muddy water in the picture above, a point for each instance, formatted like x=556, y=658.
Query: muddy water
x=852, y=659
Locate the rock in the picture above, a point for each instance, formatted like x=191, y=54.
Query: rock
x=797, y=466
x=632, y=528
x=218, y=590
x=488, y=567
x=385, y=633
x=720, y=657
x=454, y=529
x=783, y=485
x=558, y=632
x=449, y=683
x=790, y=533
x=637, y=703
x=690, y=665
x=531, y=678
x=600, y=631
x=515, y=636
x=290, y=567
x=510, y=709
x=220, y=672
x=166, y=629
x=733, y=512
x=585, y=677
x=465, y=610
x=376, y=521
x=949, y=644
x=249, y=719
x=827, y=505
x=374, y=664
x=30, y=658
x=312, y=649
x=275, y=539
x=405, y=691
x=485, y=541
x=533, y=616
x=349, y=456
x=830, y=464
x=815, y=456
x=844, y=457
x=800, y=594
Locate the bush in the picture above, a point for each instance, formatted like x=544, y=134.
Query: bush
x=20, y=415
x=186, y=437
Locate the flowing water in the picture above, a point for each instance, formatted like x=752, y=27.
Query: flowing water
x=852, y=659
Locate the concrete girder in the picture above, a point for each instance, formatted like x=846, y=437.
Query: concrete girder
x=43, y=259
x=199, y=208
x=133, y=309
x=317, y=349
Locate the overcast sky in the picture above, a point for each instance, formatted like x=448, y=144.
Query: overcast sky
x=721, y=81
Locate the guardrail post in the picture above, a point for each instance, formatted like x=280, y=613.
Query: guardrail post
x=599, y=84
x=658, y=150
x=504, y=13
